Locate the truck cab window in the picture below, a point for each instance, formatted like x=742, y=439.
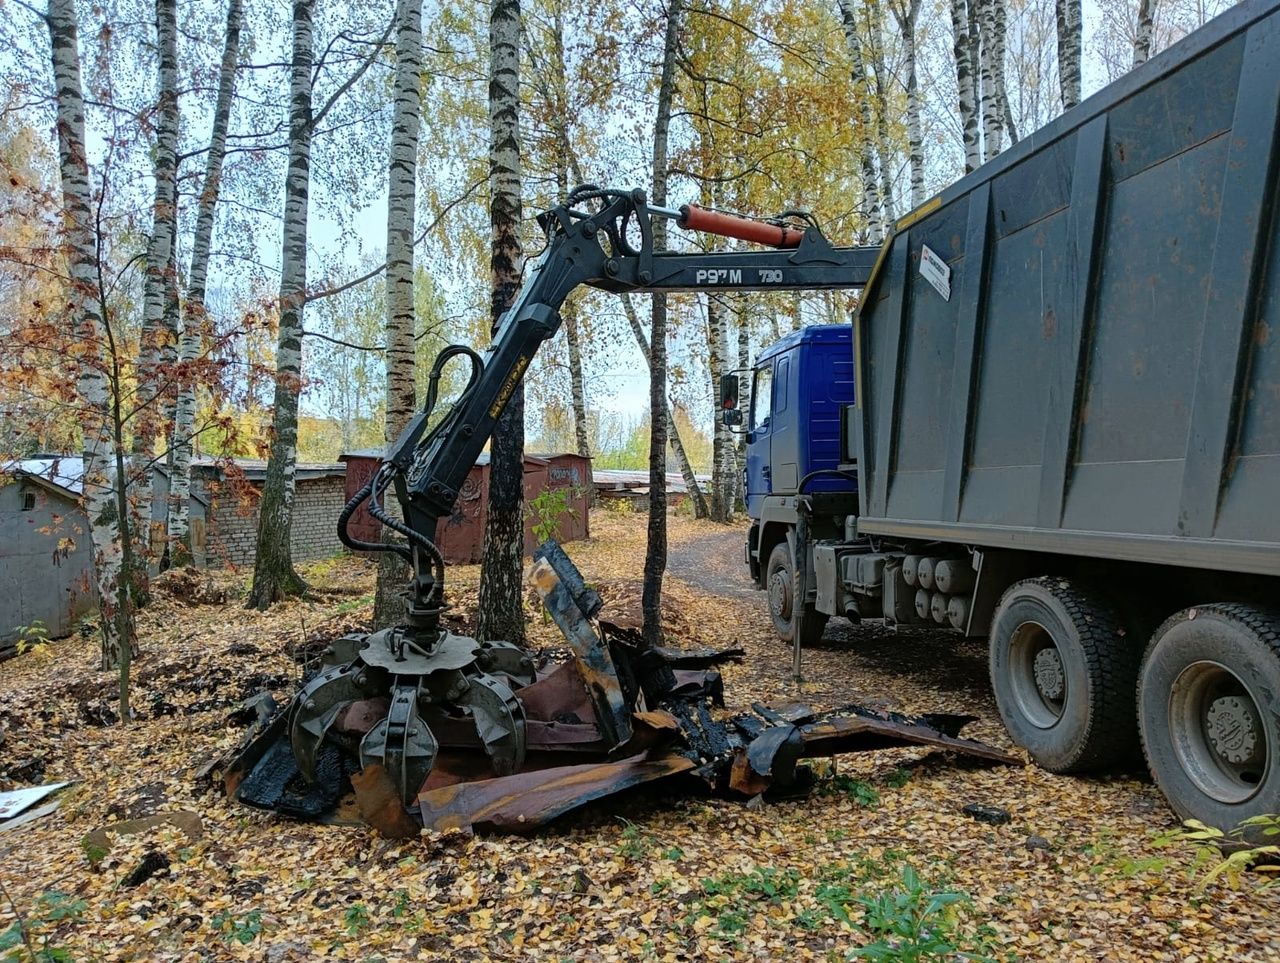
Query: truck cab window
x=761, y=396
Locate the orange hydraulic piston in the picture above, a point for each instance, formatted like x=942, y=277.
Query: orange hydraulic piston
x=744, y=229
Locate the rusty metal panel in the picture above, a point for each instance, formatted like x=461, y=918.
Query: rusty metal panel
x=359, y=470
x=460, y=537
x=527, y=800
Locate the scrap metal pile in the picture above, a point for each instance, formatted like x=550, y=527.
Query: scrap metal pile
x=461, y=734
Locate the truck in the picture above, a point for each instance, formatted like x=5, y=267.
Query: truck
x=1054, y=422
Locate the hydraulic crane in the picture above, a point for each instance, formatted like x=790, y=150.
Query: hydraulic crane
x=418, y=684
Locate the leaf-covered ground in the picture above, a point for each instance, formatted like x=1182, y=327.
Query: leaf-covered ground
x=880, y=847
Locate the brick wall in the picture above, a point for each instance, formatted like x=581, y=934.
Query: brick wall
x=232, y=531
x=315, y=517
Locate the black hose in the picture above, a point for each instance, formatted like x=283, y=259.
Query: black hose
x=821, y=473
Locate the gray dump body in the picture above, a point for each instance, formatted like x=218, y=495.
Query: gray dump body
x=1104, y=379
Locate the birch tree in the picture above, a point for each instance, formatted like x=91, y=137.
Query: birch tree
x=966, y=86
x=883, y=78
x=999, y=54
x=501, y=614
x=655, y=556
x=157, y=344
x=194, y=319
x=872, y=203
x=273, y=573
x=274, y=576
x=721, y=502
x=1145, y=34
x=1070, y=41
x=401, y=208
x=907, y=14
x=103, y=482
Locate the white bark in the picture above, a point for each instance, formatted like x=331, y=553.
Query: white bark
x=84, y=304
x=157, y=348
x=872, y=208
x=963, y=52
x=502, y=569
x=721, y=502
x=194, y=321
x=1070, y=40
x=885, y=152
x=273, y=573
x=1145, y=35
x=907, y=13
x=401, y=207
x=992, y=110
x=999, y=55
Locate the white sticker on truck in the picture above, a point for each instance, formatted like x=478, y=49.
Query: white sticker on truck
x=936, y=271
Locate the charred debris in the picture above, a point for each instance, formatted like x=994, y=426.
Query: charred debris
x=463, y=735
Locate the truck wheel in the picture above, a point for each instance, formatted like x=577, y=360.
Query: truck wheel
x=1209, y=711
x=779, y=583
x=1064, y=673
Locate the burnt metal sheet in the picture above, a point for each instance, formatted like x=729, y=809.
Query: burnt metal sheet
x=857, y=733
x=592, y=659
x=525, y=801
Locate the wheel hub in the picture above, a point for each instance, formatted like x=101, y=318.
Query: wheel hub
x=780, y=595
x=1049, y=676
x=1232, y=728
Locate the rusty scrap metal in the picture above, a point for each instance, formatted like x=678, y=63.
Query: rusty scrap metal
x=425, y=738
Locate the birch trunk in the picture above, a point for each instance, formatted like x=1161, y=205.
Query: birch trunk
x=700, y=509
x=84, y=306
x=566, y=162
x=655, y=557
x=156, y=348
x=962, y=51
x=1070, y=40
x=720, y=438
x=273, y=573
x=992, y=112
x=872, y=208
x=884, y=142
x=388, y=607
x=749, y=306
x=908, y=15
x=194, y=323
x=501, y=577
x=1145, y=35
x=577, y=387
x=999, y=53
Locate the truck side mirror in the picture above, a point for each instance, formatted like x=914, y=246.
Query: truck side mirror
x=729, y=395
x=732, y=417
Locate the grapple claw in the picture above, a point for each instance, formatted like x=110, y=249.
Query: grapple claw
x=402, y=743
x=317, y=706
x=499, y=720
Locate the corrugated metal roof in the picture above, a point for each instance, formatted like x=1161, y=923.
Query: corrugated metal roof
x=62, y=471
x=617, y=478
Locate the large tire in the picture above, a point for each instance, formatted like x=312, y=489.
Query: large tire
x=779, y=584
x=1064, y=671
x=1209, y=712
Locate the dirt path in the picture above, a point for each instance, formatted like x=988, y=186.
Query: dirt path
x=711, y=560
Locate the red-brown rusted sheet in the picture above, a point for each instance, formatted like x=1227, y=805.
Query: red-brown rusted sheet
x=523, y=802
x=379, y=803
x=855, y=733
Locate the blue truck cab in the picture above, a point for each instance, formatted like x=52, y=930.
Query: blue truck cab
x=802, y=388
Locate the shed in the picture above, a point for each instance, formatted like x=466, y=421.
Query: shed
x=631, y=486
x=46, y=555
x=460, y=537
x=224, y=509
